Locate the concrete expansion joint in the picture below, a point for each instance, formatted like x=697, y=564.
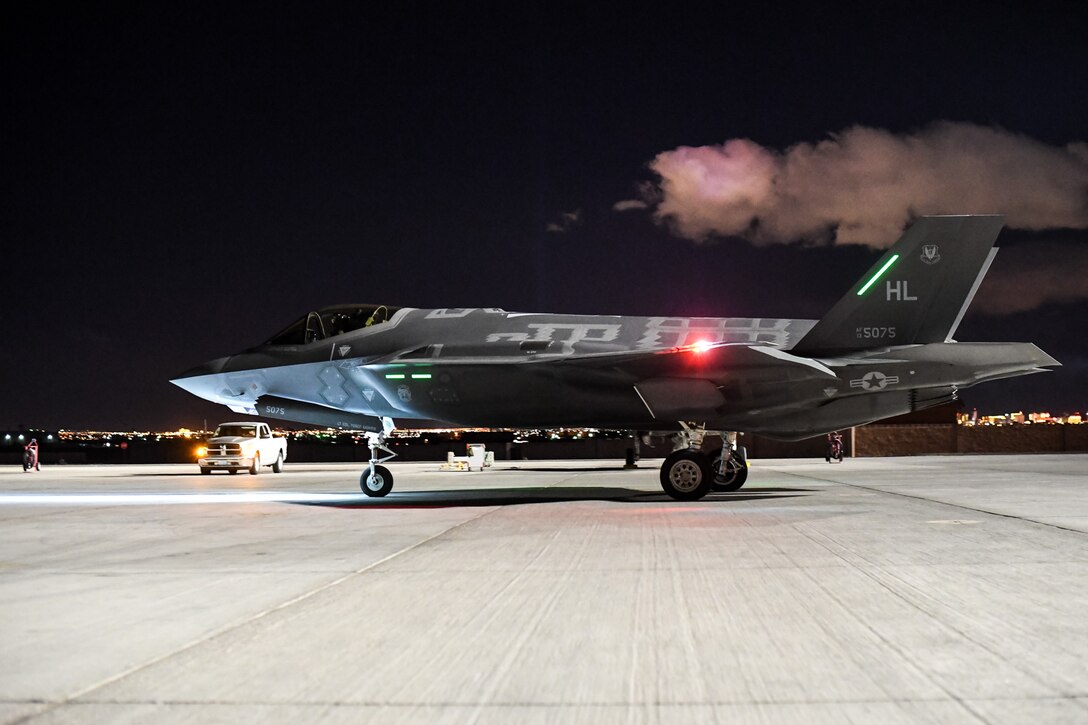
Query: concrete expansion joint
x=81, y=694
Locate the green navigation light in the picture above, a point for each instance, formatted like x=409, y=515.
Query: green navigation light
x=394, y=376
x=421, y=376
x=879, y=272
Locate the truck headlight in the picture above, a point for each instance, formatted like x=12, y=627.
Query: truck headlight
x=201, y=451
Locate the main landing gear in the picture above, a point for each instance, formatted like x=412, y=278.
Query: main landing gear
x=376, y=479
x=688, y=474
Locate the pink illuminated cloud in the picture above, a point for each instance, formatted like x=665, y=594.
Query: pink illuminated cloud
x=1023, y=278
x=863, y=185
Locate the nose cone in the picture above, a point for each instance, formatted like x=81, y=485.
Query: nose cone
x=202, y=380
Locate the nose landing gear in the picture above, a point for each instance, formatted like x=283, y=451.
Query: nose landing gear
x=376, y=480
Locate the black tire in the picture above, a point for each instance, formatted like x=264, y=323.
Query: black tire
x=205, y=471
x=277, y=467
x=736, y=471
x=381, y=484
x=255, y=467
x=685, y=475
x=232, y=471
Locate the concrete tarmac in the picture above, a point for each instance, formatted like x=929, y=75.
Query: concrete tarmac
x=929, y=589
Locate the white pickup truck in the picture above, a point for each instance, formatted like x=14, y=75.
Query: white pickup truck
x=237, y=446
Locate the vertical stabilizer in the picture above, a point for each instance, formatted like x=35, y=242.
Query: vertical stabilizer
x=916, y=293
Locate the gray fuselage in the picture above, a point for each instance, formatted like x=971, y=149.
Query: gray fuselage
x=491, y=368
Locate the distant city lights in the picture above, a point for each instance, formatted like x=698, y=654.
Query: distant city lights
x=122, y=439
x=1019, y=418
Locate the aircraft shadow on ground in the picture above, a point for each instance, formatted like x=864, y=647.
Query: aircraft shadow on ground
x=572, y=469
x=555, y=494
x=362, y=465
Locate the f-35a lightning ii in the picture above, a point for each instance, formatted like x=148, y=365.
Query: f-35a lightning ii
x=884, y=349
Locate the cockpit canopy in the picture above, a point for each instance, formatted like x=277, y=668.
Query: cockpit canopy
x=332, y=321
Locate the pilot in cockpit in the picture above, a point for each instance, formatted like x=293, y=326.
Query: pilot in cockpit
x=341, y=323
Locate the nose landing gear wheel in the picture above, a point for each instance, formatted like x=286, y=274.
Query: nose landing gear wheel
x=377, y=485
x=685, y=475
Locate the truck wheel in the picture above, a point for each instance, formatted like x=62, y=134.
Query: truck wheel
x=205, y=471
x=255, y=468
x=277, y=467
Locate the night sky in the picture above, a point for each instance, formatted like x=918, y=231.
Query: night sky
x=180, y=181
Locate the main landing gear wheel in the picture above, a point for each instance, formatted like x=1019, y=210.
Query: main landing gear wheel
x=685, y=475
x=378, y=484
x=734, y=473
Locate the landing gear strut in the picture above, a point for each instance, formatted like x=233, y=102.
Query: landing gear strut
x=376, y=479
x=688, y=474
x=731, y=469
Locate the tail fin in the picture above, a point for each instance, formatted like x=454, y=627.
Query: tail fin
x=916, y=293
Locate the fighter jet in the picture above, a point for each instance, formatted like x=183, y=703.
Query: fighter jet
x=884, y=349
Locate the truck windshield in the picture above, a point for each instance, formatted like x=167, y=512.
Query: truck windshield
x=239, y=431
x=330, y=322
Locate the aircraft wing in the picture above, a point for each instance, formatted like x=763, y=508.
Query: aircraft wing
x=690, y=382
x=711, y=361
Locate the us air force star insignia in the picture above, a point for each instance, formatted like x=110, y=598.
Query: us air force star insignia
x=931, y=254
x=829, y=392
x=874, y=380
x=368, y=394
x=344, y=350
